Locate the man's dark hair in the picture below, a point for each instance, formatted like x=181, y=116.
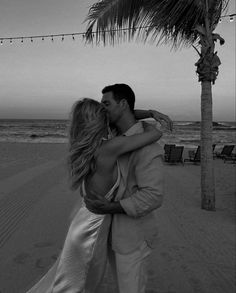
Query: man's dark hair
x=121, y=91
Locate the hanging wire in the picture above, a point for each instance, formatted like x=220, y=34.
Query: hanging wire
x=230, y=16
x=83, y=34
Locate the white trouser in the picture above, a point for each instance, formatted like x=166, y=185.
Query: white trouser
x=130, y=270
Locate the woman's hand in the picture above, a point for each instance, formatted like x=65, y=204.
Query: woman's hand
x=148, y=126
x=163, y=119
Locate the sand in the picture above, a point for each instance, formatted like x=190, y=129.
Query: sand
x=195, y=252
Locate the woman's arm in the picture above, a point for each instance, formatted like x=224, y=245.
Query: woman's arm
x=158, y=116
x=142, y=114
x=123, y=144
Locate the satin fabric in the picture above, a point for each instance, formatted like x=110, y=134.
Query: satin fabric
x=81, y=266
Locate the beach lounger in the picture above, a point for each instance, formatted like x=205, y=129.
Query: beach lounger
x=213, y=147
x=226, y=152
x=231, y=158
x=176, y=154
x=167, y=148
x=194, y=157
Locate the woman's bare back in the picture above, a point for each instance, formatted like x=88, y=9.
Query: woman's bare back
x=105, y=174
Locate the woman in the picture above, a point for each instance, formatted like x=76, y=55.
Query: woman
x=93, y=167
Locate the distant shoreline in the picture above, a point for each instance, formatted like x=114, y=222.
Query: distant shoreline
x=55, y=119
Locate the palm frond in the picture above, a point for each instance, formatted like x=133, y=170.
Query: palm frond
x=161, y=21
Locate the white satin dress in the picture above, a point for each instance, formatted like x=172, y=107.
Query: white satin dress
x=81, y=265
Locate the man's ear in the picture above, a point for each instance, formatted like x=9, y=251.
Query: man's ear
x=124, y=104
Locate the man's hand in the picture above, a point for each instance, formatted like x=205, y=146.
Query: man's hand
x=163, y=119
x=97, y=205
x=100, y=205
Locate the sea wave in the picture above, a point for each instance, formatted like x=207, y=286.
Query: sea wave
x=185, y=133
x=55, y=135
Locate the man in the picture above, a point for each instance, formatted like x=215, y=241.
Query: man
x=139, y=194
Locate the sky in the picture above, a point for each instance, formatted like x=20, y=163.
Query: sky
x=42, y=80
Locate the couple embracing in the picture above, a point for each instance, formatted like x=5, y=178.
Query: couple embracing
x=119, y=177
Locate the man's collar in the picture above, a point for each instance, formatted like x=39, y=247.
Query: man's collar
x=136, y=128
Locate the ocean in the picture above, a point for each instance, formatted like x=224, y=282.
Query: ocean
x=185, y=133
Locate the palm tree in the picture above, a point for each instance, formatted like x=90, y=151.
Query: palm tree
x=180, y=23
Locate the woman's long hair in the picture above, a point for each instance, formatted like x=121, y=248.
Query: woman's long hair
x=87, y=128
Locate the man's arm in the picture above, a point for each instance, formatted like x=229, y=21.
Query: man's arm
x=103, y=206
x=149, y=178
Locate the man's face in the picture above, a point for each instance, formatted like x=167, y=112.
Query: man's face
x=113, y=108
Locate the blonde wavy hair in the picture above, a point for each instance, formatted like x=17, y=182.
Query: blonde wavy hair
x=88, y=126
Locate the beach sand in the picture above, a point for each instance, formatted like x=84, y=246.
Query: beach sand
x=195, y=252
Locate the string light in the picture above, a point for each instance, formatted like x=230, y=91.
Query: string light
x=230, y=16
x=83, y=34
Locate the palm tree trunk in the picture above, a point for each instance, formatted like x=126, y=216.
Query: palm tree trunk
x=207, y=169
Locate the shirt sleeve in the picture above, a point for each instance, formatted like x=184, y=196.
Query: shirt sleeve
x=150, y=185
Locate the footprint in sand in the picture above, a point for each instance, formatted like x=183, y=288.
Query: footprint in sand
x=151, y=273
x=167, y=256
x=54, y=257
x=21, y=258
x=43, y=244
x=43, y=262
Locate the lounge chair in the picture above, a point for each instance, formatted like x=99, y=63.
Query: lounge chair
x=167, y=148
x=231, y=158
x=194, y=157
x=213, y=147
x=176, y=154
x=226, y=152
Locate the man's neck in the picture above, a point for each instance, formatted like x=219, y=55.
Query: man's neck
x=125, y=123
